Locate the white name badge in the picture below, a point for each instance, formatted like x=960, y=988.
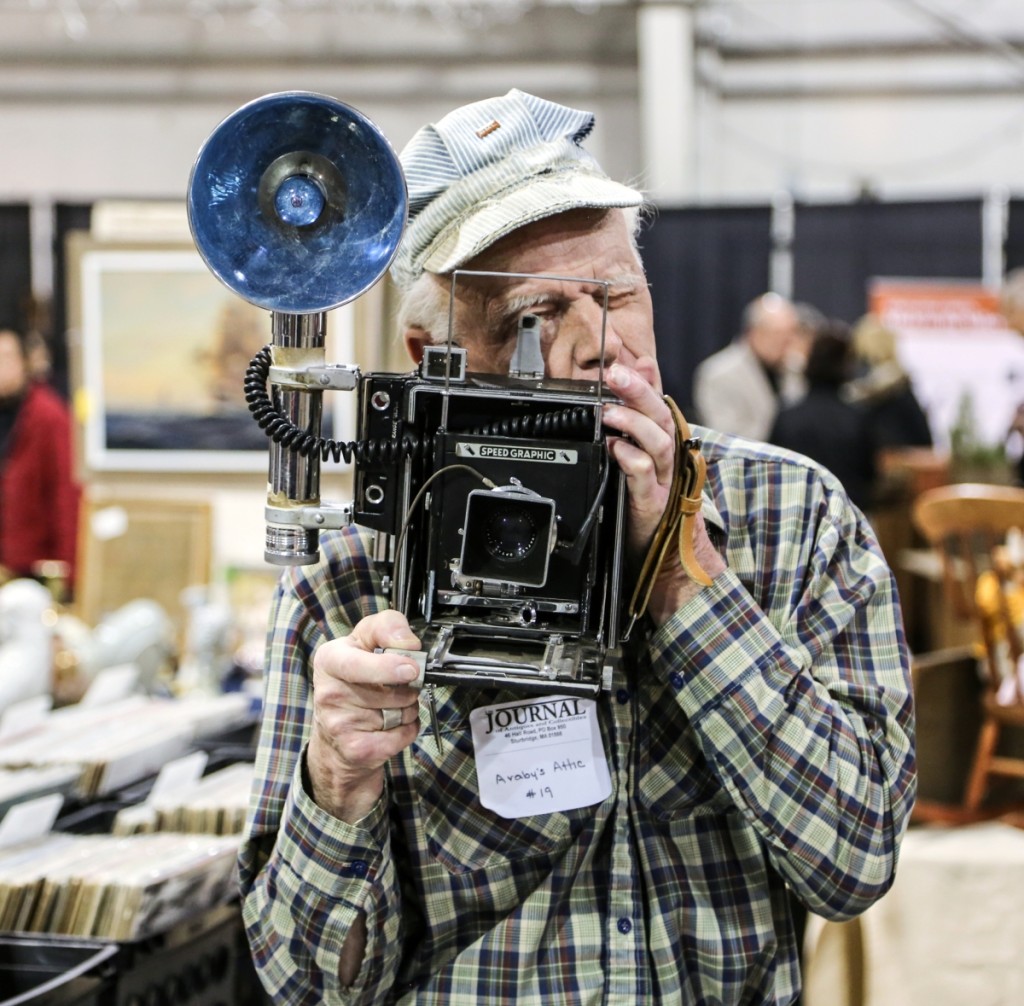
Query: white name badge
x=539, y=756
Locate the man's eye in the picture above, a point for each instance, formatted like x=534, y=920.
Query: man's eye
x=620, y=298
x=548, y=327
x=545, y=324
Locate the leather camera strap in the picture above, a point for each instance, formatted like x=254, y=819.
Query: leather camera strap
x=676, y=525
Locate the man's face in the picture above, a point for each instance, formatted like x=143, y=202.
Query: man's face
x=13, y=371
x=578, y=244
x=777, y=333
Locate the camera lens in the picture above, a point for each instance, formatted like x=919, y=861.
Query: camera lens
x=510, y=534
x=506, y=538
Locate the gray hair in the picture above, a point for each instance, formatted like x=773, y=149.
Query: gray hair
x=424, y=305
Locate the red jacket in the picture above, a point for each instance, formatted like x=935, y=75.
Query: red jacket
x=39, y=496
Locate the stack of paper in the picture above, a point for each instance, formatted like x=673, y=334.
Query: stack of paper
x=119, y=743
x=18, y=785
x=213, y=805
x=113, y=888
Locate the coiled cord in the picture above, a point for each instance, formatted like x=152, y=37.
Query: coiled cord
x=576, y=420
x=573, y=421
x=283, y=431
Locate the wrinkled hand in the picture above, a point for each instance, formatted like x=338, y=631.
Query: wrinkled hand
x=647, y=460
x=352, y=684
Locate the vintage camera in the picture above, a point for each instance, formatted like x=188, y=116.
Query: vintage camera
x=497, y=512
x=502, y=516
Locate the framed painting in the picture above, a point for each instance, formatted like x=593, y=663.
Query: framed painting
x=163, y=351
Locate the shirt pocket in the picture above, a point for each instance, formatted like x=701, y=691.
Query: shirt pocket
x=674, y=778
x=463, y=835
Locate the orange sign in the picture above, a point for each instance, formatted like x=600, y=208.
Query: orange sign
x=935, y=305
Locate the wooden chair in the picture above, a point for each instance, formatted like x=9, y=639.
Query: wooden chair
x=967, y=524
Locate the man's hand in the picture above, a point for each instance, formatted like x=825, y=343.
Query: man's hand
x=352, y=686
x=647, y=460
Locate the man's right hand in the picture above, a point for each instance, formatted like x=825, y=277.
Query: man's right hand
x=352, y=685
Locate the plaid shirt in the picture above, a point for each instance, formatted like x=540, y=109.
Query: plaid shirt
x=760, y=739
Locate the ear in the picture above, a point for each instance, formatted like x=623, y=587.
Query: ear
x=416, y=339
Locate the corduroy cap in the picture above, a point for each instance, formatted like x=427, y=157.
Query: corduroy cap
x=491, y=167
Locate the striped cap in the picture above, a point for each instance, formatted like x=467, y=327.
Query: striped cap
x=491, y=167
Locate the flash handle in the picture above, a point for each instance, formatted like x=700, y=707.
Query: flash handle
x=293, y=480
x=417, y=657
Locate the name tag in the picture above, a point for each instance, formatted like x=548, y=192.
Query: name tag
x=539, y=756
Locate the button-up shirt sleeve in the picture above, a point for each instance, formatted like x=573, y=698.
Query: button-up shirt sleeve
x=306, y=876
x=793, y=671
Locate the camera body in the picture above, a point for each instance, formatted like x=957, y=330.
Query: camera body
x=500, y=521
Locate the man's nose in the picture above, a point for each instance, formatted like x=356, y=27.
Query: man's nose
x=586, y=356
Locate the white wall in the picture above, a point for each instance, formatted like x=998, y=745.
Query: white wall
x=826, y=149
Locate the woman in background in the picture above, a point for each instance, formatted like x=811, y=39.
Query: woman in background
x=823, y=425
x=884, y=388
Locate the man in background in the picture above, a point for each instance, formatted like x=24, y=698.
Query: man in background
x=740, y=388
x=39, y=496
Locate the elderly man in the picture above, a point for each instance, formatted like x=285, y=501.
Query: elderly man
x=740, y=388
x=758, y=735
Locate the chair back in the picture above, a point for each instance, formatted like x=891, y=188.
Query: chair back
x=967, y=525
x=964, y=523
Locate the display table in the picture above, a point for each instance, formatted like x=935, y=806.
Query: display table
x=950, y=932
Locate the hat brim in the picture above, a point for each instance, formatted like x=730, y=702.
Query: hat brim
x=467, y=236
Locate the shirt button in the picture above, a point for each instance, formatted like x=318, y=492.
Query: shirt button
x=625, y=926
x=622, y=696
x=358, y=867
x=676, y=680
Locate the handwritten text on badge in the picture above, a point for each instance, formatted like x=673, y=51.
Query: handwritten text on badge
x=539, y=756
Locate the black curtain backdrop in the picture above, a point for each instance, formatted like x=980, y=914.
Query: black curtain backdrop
x=15, y=267
x=704, y=265
x=837, y=249
x=1014, y=247
x=67, y=217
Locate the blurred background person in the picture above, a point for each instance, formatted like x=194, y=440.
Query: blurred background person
x=1016, y=433
x=739, y=389
x=38, y=357
x=823, y=425
x=39, y=496
x=1011, y=304
x=1011, y=299
x=884, y=388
